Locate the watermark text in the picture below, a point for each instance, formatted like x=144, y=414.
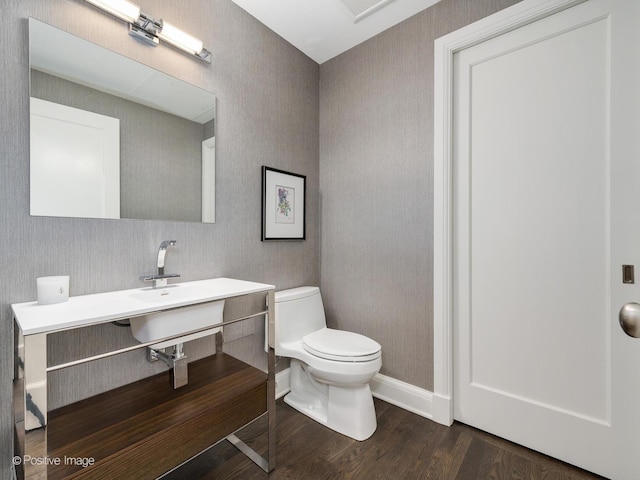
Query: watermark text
x=47, y=461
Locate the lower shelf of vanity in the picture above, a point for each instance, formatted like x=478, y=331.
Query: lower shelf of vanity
x=147, y=428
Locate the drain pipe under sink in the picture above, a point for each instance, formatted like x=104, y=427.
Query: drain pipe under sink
x=177, y=361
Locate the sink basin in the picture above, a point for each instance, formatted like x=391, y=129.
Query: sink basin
x=177, y=321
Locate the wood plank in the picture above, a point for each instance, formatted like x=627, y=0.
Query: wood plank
x=144, y=429
x=164, y=450
x=150, y=393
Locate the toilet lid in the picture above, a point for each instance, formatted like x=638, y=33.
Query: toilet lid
x=340, y=345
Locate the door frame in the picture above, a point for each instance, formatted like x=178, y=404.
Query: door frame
x=511, y=18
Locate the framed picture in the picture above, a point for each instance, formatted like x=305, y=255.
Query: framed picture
x=283, y=205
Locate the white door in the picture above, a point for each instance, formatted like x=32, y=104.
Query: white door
x=209, y=180
x=75, y=162
x=546, y=190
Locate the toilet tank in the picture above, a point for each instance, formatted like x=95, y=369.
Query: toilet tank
x=299, y=311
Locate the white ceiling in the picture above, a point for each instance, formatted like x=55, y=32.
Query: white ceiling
x=323, y=29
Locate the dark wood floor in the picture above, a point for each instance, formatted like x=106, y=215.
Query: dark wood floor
x=405, y=446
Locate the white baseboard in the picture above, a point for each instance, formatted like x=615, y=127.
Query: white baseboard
x=442, y=409
x=404, y=395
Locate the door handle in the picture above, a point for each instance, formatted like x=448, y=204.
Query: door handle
x=630, y=319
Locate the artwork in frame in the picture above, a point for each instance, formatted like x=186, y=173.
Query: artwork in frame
x=283, y=205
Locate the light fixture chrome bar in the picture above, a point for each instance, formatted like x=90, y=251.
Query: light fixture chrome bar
x=145, y=28
x=148, y=23
x=149, y=30
x=205, y=55
x=142, y=34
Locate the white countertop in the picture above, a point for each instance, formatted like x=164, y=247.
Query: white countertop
x=84, y=310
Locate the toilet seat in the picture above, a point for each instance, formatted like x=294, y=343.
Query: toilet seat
x=341, y=346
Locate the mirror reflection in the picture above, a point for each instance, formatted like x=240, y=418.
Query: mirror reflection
x=112, y=138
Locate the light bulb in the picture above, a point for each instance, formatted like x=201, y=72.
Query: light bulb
x=180, y=39
x=120, y=8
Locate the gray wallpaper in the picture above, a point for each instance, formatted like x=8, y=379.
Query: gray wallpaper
x=267, y=112
x=376, y=185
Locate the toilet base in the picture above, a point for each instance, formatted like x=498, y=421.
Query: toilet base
x=347, y=410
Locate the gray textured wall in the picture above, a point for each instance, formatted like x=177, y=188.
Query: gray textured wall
x=376, y=166
x=267, y=113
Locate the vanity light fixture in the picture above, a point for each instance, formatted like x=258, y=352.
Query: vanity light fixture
x=148, y=29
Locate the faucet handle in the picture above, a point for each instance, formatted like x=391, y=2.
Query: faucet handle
x=159, y=280
x=153, y=277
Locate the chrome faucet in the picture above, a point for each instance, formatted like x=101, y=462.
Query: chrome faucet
x=160, y=278
x=162, y=251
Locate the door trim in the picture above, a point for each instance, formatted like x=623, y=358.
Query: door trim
x=523, y=13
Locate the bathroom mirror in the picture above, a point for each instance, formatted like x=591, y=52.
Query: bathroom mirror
x=113, y=138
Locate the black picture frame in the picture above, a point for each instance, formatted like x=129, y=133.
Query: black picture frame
x=283, y=205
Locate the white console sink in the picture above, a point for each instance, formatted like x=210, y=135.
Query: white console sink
x=142, y=304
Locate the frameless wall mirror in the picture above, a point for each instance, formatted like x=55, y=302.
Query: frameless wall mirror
x=113, y=138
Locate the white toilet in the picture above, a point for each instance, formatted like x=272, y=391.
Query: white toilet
x=330, y=369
